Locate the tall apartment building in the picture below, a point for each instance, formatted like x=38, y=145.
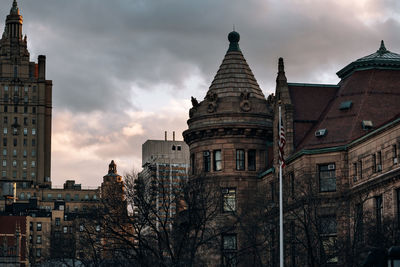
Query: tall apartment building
x=165, y=164
x=25, y=107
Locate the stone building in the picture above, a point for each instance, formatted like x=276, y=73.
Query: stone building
x=25, y=107
x=229, y=138
x=341, y=180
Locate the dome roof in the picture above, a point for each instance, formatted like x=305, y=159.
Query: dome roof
x=381, y=59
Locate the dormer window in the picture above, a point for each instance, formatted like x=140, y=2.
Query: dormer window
x=345, y=105
x=367, y=125
x=320, y=132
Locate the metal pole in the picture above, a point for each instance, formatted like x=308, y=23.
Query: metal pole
x=280, y=201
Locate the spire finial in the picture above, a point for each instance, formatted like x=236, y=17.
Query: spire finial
x=112, y=168
x=281, y=72
x=233, y=38
x=14, y=10
x=281, y=66
x=382, y=49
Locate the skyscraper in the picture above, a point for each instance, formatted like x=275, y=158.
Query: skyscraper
x=25, y=107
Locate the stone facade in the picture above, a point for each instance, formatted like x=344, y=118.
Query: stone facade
x=26, y=103
x=342, y=171
x=227, y=137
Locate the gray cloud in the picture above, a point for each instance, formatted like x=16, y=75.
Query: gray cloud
x=103, y=56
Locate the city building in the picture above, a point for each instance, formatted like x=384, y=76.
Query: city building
x=25, y=107
x=165, y=170
x=342, y=162
x=229, y=138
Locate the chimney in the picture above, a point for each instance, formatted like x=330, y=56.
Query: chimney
x=42, y=67
x=165, y=135
x=173, y=136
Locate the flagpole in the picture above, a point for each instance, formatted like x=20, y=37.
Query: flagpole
x=280, y=200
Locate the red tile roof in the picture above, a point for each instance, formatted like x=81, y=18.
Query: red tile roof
x=375, y=96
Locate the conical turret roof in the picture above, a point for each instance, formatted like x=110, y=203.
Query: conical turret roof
x=234, y=75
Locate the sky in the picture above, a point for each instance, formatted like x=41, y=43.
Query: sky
x=124, y=71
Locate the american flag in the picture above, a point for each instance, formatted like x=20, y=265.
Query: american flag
x=281, y=142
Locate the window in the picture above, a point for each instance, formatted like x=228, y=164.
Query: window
x=33, y=121
x=4, y=152
x=34, y=110
x=25, y=101
x=33, y=153
x=14, y=174
x=328, y=233
x=76, y=197
x=292, y=244
x=360, y=168
x=192, y=161
x=291, y=178
x=217, y=160
x=14, y=163
x=379, y=165
x=25, y=131
x=14, y=152
x=179, y=148
x=239, y=159
x=67, y=197
x=86, y=197
x=15, y=107
x=173, y=147
x=229, y=199
x=207, y=161
x=359, y=221
x=373, y=163
x=33, y=142
x=327, y=178
x=4, y=163
x=5, y=119
x=97, y=228
x=33, y=174
x=354, y=171
x=33, y=131
x=26, y=89
x=229, y=247
x=59, y=196
x=378, y=212
x=57, y=221
x=33, y=164
x=5, y=130
x=38, y=239
x=22, y=196
x=398, y=206
x=39, y=226
x=25, y=111
x=4, y=141
x=3, y=173
x=24, y=174
x=49, y=196
x=251, y=160
x=81, y=228
x=394, y=154
x=24, y=153
x=38, y=252
x=15, y=142
x=65, y=229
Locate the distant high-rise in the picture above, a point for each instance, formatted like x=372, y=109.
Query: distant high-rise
x=25, y=107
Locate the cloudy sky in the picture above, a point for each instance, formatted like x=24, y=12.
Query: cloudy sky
x=123, y=71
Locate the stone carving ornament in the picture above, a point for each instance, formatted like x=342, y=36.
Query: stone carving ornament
x=245, y=103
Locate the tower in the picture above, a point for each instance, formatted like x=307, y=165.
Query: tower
x=112, y=191
x=227, y=137
x=25, y=108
